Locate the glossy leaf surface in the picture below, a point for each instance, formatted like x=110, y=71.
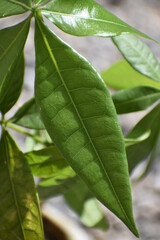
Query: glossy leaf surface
x=14, y=87
x=135, y=99
x=138, y=55
x=13, y=7
x=28, y=116
x=81, y=200
x=121, y=76
x=140, y=151
x=79, y=115
x=85, y=18
x=48, y=162
x=19, y=208
x=12, y=41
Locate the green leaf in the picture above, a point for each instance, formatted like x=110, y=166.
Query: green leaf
x=28, y=116
x=121, y=76
x=81, y=200
x=48, y=162
x=14, y=7
x=138, y=55
x=19, y=208
x=85, y=18
x=14, y=87
x=139, y=152
x=12, y=42
x=141, y=138
x=79, y=115
x=135, y=99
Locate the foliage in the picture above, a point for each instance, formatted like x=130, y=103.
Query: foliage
x=88, y=157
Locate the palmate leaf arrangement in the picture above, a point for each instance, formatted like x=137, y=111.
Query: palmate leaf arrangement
x=88, y=157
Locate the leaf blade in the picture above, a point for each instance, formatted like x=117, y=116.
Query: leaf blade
x=22, y=199
x=85, y=19
x=74, y=127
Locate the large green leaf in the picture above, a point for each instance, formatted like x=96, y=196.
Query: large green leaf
x=121, y=75
x=138, y=55
x=13, y=7
x=19, y=209
x=81, y=200
x=48, y=162
x=85, y=18
x=135, y=99
x=12, y=42
x=139, y=152
x=14, y=87
x=79, y=115
x=28, y=116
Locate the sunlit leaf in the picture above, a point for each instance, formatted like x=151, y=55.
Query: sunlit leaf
x=19, y=209
x=85, y=18
x=121, y=76
x=79, y=115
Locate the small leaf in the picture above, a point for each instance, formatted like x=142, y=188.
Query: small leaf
x=79, y=115
x=13, y=7
x=19, y=209
x=81, y=200
x=138, y=152
x=135, y=99
x=141, y=138
x=138, y=55
x=48, y=162
x=12, y=42
x=85, y=18
x=28, y=116
x=121, y=76
x=14, y=87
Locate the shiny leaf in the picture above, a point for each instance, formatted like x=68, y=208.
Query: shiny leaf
x=79, y=115
x=121, y=76
x=13, y=7
x=135, y=99
x=138, y=55
x=12, y=42
x=85, y=18
x=48, y=162
x=139, y=152
x=81, y=200
x=19, y=209
x=28, y=116
x=14, y=87
x=141, y=138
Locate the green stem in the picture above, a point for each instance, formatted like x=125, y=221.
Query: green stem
x=23, y=131
x=21, y=4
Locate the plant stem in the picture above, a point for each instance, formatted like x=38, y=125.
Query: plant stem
x=23, y=131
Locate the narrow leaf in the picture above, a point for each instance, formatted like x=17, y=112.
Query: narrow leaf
x=121, y=76
x=85, y=18
x=81, y=200
x=79, y=115
x=141, y=138
x=135, y=99
x=19, y=209
x=28, y=116
x=13, y=7
x=14, y=87
x=138, y=55
x=139, y=152
x=12, y=42
x=48, y=162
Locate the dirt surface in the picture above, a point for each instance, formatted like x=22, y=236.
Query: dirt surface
x=144, y=15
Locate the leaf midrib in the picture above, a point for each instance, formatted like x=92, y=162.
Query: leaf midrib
x=13, y=189
x=91, y=18
x=58, y=71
